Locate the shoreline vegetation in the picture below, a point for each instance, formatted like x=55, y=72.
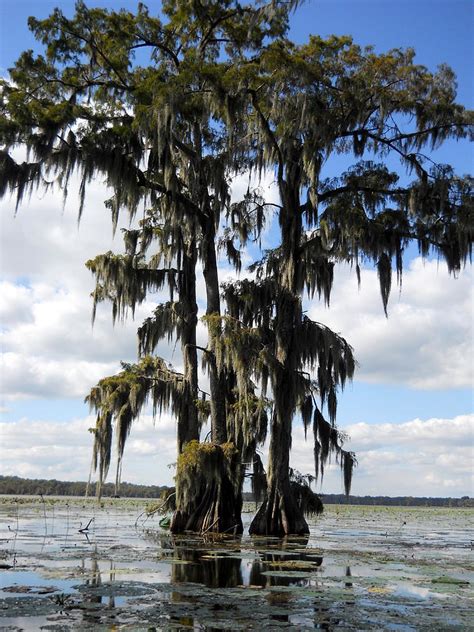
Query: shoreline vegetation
x=15, y=485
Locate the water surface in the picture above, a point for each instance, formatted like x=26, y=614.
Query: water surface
x=74, y=564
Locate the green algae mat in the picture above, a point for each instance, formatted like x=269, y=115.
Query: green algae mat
x=361, y=568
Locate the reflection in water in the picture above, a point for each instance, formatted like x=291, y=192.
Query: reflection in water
x=224, y=568
x=348, y=584
x=217, y=571
x=95, y=580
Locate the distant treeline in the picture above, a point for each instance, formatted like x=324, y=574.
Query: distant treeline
x=400, y=501
x=19, y=486
x=396, y=501
x=16, y=485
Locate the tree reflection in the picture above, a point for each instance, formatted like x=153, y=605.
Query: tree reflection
x=216, y=571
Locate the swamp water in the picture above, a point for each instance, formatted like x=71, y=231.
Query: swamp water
x=71, y=564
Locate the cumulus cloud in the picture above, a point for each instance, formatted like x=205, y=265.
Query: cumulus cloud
x=43, y=241
x=63, y=450
x=432, y=457
x=49, y=346
x=427, y=340
x=42, y=449
x=33, y=376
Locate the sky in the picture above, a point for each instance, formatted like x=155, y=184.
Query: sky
x=409, y=410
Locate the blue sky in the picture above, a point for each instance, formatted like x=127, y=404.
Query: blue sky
x=413, y=384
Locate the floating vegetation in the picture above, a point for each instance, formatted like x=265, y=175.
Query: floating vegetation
x=294, y=564
x=289, y=573
x=450, y=580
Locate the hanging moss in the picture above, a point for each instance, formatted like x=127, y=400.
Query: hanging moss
x=308, y=502
x=208, y=482
x=119, y=399
x=125, y=280
x=384, y=269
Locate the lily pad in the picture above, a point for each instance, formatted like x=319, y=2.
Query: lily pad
x=119, y=589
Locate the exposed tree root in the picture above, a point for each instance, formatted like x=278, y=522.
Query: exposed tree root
x=279, y=515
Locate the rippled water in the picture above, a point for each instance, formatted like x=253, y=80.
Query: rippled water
x=72, y=564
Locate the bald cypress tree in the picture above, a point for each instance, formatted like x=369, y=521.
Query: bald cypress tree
x=158, y=134
x=305, y=104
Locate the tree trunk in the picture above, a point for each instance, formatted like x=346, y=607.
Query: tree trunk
x=208, y=223
x=279, y=514
x=188, y=423
x=216, y=378
x=208, y=490
x=208, y=498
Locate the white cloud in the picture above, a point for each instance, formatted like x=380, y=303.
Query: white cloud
x=427, y=340
x=49, y=347
x=37, y=376
x=15, y=304
x=59, y=326
x=42, y=449
x=63, y=450
x=51, y=350
x=43, y=242
x=432, y=457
